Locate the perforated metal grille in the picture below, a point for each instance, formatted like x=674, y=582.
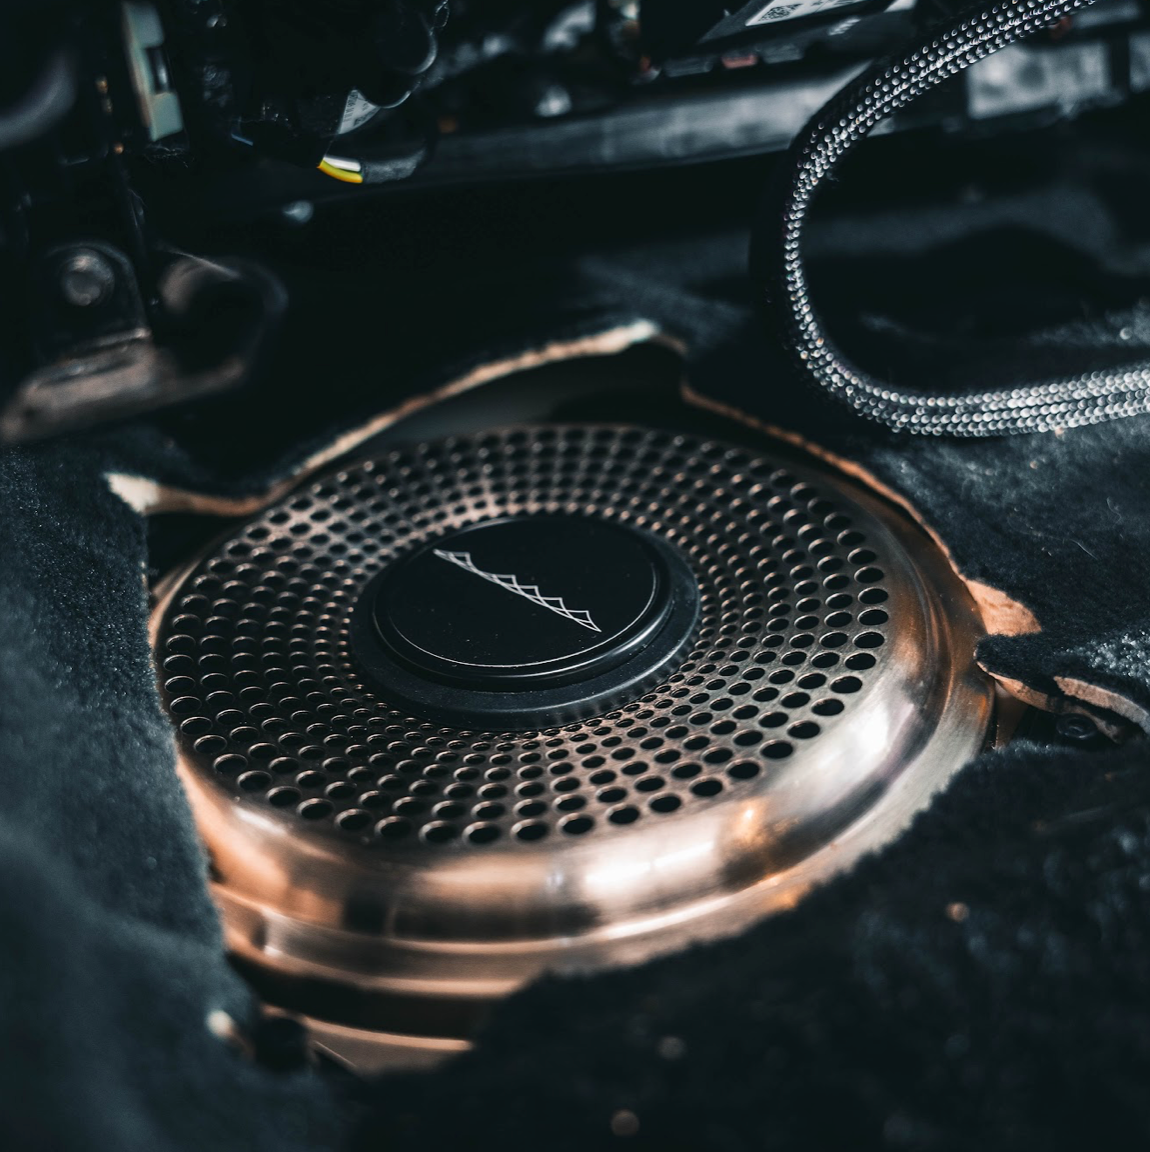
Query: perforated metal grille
x=259, y=677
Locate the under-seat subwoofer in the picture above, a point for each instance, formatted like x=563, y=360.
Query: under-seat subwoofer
x=549, y=698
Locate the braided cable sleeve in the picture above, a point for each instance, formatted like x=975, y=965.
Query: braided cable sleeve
x=838, y=128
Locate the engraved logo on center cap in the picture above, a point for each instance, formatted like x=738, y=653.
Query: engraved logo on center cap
x=527, y=591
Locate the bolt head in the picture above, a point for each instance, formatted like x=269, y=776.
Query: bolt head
x=1075, y=726
x=86, y=278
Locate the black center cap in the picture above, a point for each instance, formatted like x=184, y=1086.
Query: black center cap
x=527, y=621
x=524, y=601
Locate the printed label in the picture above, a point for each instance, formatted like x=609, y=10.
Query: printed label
x=357, y=111
x=775, y=13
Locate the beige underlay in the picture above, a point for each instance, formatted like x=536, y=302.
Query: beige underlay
x=1104, y=698
x=1001, y=615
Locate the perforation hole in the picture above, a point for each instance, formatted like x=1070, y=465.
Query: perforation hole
x=627, y=814
x=353, y=820
x=577, y=825
x=393, y=828
x=482, y=833
x=438, y=832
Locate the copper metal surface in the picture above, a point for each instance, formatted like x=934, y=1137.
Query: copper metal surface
x=392, y=877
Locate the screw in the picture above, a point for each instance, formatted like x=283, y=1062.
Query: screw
x=1075, y=726
x=86, y=278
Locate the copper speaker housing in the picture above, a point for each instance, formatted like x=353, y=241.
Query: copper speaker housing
x=389, y=877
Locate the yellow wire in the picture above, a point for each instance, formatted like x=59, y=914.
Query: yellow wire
x=340, y=173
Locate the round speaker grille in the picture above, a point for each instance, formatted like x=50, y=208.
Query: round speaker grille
x=417, y=868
